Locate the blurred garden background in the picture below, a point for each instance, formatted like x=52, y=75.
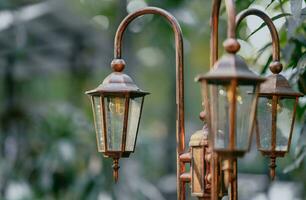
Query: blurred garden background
x=51, y=52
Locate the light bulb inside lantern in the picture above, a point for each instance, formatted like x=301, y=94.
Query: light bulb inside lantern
x=116, y=105
x=226, y=92
x=279, y=106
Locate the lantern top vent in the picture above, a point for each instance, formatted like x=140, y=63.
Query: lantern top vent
x=277, y=84
x=116, y=83
x=199, y=138
x=228, y=67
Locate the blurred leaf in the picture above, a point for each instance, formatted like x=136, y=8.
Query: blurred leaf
x=300, y=152
x=296, y=8
x=273, y=19
x=264, y=69
x=296, y=163
x=271, y=2
x=243, y=4
x=260, y=51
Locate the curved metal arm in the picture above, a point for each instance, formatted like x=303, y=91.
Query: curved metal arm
x=269, y=23
x=180, y=127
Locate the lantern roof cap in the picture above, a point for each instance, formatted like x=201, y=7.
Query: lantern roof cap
x=199, y=138
x=118, y=82
x=228, y=67
x=277, y=84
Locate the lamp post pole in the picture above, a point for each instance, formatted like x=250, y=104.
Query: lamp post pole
x=230, y=8
x=179, y=58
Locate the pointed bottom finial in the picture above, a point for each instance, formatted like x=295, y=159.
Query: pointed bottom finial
x=116, y=169
x=272, y=167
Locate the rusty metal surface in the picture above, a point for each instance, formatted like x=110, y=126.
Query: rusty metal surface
x=278, y=85
x=228, y=67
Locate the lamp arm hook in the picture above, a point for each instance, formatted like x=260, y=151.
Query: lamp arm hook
x=268, y=21
x=275, y=66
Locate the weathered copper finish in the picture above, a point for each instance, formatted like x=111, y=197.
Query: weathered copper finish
x=232, y=47
x=180, y=129
x=229, y=67
x=200, y=165
x=185, y=177
x=117, y=83
x=230, y=70
x=272, y=166
x=275, y=87
x=278, y=85
x=116, y=169
x=185, y=157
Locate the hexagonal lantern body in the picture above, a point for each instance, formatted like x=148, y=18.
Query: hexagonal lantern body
x=230, y=94
x=275, y=116
x=200, y=164
x=117, y=106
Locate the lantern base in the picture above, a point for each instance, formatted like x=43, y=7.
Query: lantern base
x=230, y=153
x=272, y=153
x=117, y=154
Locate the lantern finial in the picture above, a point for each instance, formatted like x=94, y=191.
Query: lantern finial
x=272, y=167
x=118, y=65
x=116, y=169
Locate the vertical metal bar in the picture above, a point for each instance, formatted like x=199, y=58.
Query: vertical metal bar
x=234, y=181
x=273, y=136
x=125, y=120
x=103, y=110
x=274, y=118
x=232, y=112
x=142, y=101
x=292, y=122
x=214, y=23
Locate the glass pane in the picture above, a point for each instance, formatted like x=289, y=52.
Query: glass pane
x=114, y=114
x=219, y=115
x=245, y=111
x=133, y=121
x=264, y=118
x=98, y=123
x=284, y=119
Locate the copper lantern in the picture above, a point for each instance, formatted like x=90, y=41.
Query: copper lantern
x=200, y=164
x=117, y=106
x=276, y=115
x=230, y=91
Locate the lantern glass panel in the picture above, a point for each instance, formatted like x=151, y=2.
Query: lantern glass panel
x=133, y=122
x=245, y=111
x=264, y=125
x=219, y=98
x=285, y=109
x=114, y=117
x=219, y=115
x=97, y=109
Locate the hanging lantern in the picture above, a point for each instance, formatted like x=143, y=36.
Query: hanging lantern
x=200, y=164
x=277, y=104
x=117, y=106
x=230, y=91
